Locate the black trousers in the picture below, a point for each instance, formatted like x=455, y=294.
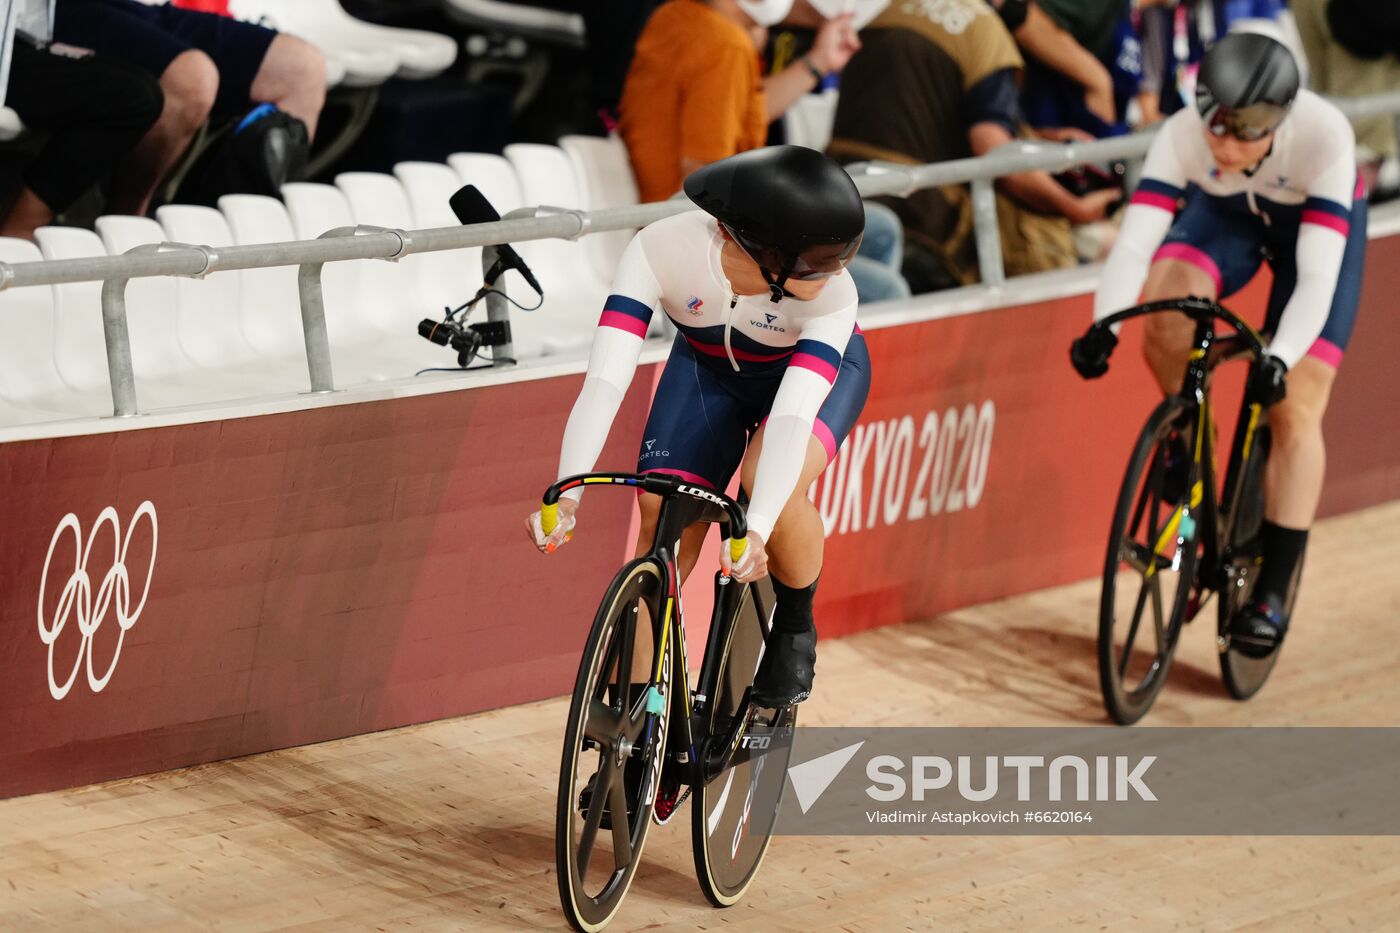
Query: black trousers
x=93, y=110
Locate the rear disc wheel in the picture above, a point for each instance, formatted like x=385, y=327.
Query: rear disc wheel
x=735, y=811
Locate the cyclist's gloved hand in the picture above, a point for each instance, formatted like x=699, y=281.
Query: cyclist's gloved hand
x=1268, y=381
x=1090, y=353
x=562, y=533
x=752, y=566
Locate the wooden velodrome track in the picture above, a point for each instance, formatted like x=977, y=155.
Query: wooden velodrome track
x=450, y=825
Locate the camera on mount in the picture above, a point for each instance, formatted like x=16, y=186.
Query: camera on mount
x=466, y=339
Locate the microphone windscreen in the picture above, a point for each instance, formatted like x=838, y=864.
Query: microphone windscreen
x=471, y=206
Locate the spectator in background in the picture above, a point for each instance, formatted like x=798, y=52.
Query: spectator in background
x=1044, y=40
x=1353, y=47
x=612, y=30
x=694, y=95
x=92, y=109
x=938, y=81
x=1156, y=28
x=1092, y=23
x=1106, y=30
x=205, y=63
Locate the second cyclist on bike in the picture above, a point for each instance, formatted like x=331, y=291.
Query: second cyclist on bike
x=1257, y=171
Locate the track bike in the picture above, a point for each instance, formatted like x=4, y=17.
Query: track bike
x=648, y=739
x=1174, y=543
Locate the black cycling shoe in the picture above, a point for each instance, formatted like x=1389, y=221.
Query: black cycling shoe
x=785, y=674
x=1176, y=469
x=1257, y=629
x=632, y=773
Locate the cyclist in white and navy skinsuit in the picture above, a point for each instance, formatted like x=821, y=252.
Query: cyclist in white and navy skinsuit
x=768, y=359
x=1302, y=206
x=730, y=364
x=1258, y=171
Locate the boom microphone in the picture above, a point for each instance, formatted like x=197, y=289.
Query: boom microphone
x=471, y=207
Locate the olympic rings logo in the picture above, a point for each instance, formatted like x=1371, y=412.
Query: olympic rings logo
x=78, y=601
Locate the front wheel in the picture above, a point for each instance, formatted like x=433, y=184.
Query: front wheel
x=613, y=749
x=736, y=809
x=1151, y=563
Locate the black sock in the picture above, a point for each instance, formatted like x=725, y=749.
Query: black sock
x=793, y=613
x=1283, y=551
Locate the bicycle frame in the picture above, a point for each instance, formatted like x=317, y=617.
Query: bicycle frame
x=1208, y=350
x=682, y=505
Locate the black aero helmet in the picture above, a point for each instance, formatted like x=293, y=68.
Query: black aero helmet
x=794, y=211
x=1246, y=85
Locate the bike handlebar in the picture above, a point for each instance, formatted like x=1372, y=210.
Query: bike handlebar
x=661, y=484
x=1200, y=309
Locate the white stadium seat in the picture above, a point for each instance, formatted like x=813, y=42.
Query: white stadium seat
x=268, y=305
x=445, y=279
x=208, y=309
x=151, y=311
x=493, y=176
x=351, y=323
x=605, y=180
x=314, y=209
x=10, y=125
x=549, y=25
x=573, y=290
x=417, y=54
x=79, y=348
x=162, y=370
x=388, y=290
x=354, y=63
x=808, y=122
x=387, y=293
x=31, y=388
x=336, y=72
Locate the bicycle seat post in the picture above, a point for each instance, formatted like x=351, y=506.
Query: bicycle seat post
x=677, y=514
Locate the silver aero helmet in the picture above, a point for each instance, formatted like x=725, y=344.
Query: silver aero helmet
x=1247, y=84
x=792, y=210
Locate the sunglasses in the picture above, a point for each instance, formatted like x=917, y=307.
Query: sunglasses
x=1247, y=124
x=813, y=263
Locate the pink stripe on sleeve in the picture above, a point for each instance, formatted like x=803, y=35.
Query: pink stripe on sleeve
x=1152, y=199
x=816, y=364
x=1330, y=221
x=1185, y=252
x=1326, y=351
x=623, y=322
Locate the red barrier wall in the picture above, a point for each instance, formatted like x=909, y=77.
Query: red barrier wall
x=352, y=568
x=317, y=574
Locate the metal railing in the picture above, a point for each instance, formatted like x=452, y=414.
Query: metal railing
x=368, y=242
